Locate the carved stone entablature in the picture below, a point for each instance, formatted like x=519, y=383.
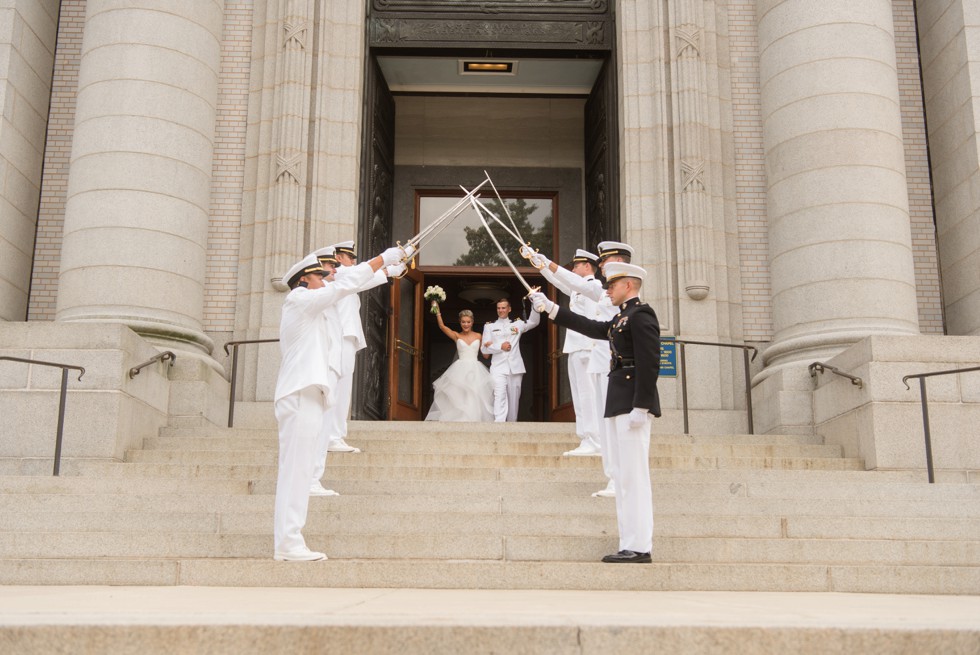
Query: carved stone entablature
x=493, y=6
x=456, y=33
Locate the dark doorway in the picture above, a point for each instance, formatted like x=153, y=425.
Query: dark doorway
x=479, y=294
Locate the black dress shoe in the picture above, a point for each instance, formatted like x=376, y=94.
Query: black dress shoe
x=627, y=557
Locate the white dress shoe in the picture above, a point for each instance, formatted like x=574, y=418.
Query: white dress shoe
x=585, y=448
x=608, y=492
x=340, y=446
x=316, y=489
x=305, y=555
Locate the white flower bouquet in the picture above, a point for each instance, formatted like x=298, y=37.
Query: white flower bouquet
x=435, y=294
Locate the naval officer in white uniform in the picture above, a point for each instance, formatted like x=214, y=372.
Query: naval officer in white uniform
x=502, y=340
x=334, y=430
x=598, y=369
x=305, y=387
x=588, y=390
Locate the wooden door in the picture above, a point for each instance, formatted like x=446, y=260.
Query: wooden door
x=405, y=348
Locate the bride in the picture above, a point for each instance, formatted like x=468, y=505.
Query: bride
x=465, y=391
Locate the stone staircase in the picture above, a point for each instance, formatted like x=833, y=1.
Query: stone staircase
x=463, y=506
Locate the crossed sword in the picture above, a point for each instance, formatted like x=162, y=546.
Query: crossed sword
x=484, y=212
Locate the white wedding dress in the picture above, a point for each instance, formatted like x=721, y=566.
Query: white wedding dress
x=465, y=391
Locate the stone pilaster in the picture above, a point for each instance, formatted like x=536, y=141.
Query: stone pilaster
x=690, y=89
x=27, y=43
x=136, y=216
x=950, y=52
x=290, y=126
x=840, y=244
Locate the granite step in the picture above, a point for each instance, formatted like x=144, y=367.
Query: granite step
x=492, y=574
x=676, y=500
x=481, y=456
x=340, y=469
x=415, y=439
x=451, y=545
x=468, y=519
x=190, y=619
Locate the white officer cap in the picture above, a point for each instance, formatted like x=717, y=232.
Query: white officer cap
x=309, y=264
x=327, y=255
x=609, y=248
x=616, y=270
x=584, y=256
x=346, y=247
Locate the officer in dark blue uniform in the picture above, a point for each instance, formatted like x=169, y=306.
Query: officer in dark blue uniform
x=631, y=399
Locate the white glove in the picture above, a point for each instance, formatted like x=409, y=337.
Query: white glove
x=638, y=418
x=540, y=302
x=539, y=261
x=526, y=251
x=409, y=250
x=395, y=270
x=392, y=255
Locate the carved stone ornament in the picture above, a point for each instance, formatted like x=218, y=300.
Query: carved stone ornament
x=389, y=32
x=493, y=6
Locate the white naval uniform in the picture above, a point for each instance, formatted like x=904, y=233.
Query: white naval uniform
x=348, y=308
x=506, y=367
x=309, y=335
x=587, y=294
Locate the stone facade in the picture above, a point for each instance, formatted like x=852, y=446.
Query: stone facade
x=773, y=164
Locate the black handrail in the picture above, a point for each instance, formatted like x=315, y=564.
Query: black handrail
x=61, y=402
x=234, y=372
x=925, y=407
x=745, y=364
x=820, y=367
x=166, y=355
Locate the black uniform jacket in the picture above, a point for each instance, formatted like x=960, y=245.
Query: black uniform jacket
x=634, y=336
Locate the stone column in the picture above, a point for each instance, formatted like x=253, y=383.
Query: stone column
x=840, y=243
x=136, y=215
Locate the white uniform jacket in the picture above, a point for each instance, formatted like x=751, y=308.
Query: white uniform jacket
x=588, y=288
x=501, y=330
x=309, y=338
x=349, y=307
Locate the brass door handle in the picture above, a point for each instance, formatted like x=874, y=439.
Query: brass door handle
x=407, y=347
x=555, y=355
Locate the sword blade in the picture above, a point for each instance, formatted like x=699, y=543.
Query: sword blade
x=503, y=254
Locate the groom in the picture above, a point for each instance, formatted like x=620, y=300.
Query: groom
x=502, y=339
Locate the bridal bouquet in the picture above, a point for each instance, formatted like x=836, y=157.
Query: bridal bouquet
x=435, y=294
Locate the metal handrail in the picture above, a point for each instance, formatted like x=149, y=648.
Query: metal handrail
x=166, y=355
x=745, y=364
x=61, y=402
x=925, y=407
x=234, y=372
x=820, y=367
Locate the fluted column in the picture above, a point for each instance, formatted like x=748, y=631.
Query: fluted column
x=840, y=243
x=136, y=214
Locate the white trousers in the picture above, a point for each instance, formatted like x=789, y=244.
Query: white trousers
x=506, y=396
x=334, y=425
x=600, y=382
x=300, y=415
x=588, y=418
x=629, y=451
